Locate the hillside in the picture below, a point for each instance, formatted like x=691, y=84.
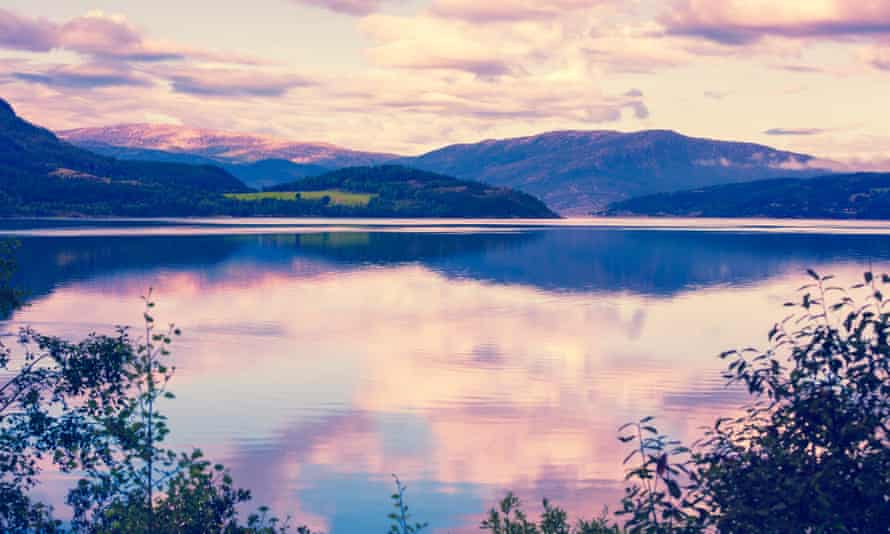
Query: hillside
x=397, y=191
x=579, y=171
x=846, y=196
x=39, y=174
x=42, y=175
x=259, y=161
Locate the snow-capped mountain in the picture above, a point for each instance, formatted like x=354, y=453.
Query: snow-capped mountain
x=222, y=147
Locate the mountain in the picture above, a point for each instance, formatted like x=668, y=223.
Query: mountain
x=396, y=191
x=40, y=174
x=43, y=175
x=576, y=172
x=259, y=161
x=259, y=174
x=839, y=196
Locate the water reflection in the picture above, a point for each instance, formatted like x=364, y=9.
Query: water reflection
x=317, y=364
x=563, y=259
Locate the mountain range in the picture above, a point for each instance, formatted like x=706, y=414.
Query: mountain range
x=42, y=175
x=575, y=172
x=838, y=196
x=259, y=161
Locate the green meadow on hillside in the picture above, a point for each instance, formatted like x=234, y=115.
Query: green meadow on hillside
x=340, y=198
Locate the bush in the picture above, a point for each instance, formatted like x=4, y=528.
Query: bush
x=92, y=406
x=810, y=452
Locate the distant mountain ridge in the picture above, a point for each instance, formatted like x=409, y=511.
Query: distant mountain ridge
x=258, y=160
x=222, y=146
x=40, y=174
x=576, y=172
x=838, y=196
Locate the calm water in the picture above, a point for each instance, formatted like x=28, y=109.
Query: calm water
x=318, y=357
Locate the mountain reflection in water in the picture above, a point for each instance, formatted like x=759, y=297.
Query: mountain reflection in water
x=315, y=364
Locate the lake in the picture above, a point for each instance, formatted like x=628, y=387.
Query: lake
x=318, y=357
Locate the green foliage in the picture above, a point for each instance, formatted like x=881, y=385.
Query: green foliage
x=199, y=497
x=332, y=196
x=401, y=519
x=45, y=412
x=509, y=518
x=838, y=196
x=653, y=504
x=811, y=452
x=396, y=191
x=92, y=407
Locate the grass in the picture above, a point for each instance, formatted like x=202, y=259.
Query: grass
x=341, y=198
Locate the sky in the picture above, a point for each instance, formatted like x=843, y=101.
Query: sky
x=407, y=76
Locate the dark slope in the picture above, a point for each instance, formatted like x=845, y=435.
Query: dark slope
x=405, y=192
x=578, y=171
x=42, y=175
x=841, y=196
x=257, y=174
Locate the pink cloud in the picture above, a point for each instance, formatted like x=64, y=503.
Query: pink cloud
x=22, y=33
x=87, y=76
x=506, y=10
x=233, y=83
x=879, y=56
x=738, y=22
x=101, y=35
x=348, y=7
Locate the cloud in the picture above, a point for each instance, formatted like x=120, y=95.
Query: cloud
x=425, y=42
x=22, y=33
x=109, y=36
x=100, y=36
x=805, y=69
x=634, y=49
x=805, y=164
x=88, y=76
x=739, y=22
x=506, y=10
x=347, y=7
x=794, y=131
x=639, y=109
x=879, y=56
x=233, y=83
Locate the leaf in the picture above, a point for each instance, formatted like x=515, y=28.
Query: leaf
x=673, y=488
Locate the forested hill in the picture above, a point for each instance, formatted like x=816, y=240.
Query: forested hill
x=840, y=196
x=40, y=174
x=576, y=172
x=394, y=190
